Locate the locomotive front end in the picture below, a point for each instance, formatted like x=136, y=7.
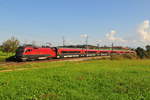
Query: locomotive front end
x=20, y=54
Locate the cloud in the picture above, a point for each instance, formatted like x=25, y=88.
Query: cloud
x=142, y=37
x=83, y=35
x=144, y=31
x=111, y=36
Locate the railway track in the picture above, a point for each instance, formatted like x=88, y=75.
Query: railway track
x=2, y=64
x=7, y=63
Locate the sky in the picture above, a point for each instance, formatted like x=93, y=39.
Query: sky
x=124, y=22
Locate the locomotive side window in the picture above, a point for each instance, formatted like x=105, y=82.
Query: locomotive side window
x=28, y=50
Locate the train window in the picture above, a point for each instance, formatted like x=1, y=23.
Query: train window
x=90, y=51
x=70, y=52
x=36, y=48
x=54, y=49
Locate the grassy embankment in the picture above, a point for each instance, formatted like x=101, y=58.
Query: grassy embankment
x=3, y=56
x=88, y=80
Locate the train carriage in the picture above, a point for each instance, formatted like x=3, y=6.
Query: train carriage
x=90, y=52
x=68, y=52
x=104, y=52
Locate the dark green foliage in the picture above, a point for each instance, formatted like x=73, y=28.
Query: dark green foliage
x=141, y=52
x=147, y=48
x=147, y=51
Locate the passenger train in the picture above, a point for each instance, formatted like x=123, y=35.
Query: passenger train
x=24, y=53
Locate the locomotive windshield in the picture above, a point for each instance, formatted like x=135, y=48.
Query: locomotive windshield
x=20, y=50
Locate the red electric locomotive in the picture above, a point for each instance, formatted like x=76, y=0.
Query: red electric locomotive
x=31, y=53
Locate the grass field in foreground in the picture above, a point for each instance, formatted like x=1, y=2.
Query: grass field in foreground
x=88, y=80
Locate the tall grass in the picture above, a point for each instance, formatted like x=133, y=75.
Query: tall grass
x=88, y=80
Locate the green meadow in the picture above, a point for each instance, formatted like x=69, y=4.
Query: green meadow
x=80, y=80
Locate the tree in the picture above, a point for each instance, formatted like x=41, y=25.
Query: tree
x=147, y=52
x=10, y=45
x=148, y=48
x=141, y=52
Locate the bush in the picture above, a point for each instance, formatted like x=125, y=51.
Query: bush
x=141, y=52
x=4, y=55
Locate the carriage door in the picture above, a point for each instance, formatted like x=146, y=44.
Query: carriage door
x=55, y=51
